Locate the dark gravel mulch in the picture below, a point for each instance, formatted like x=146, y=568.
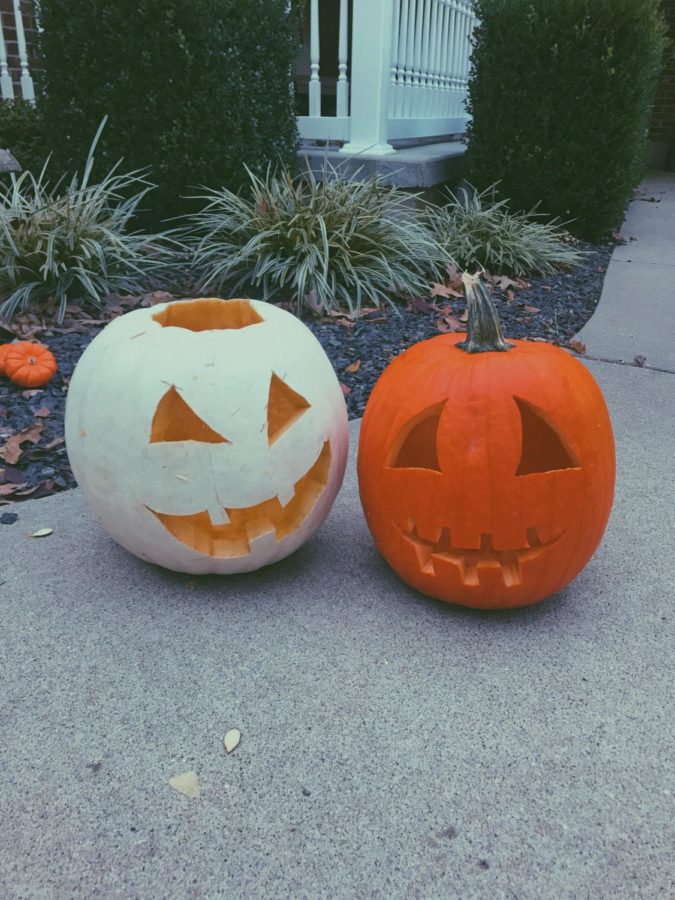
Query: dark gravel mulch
x=551, y=308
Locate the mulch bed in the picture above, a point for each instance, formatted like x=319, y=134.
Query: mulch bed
x=551, y=308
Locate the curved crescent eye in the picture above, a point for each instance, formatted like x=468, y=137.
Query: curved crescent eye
x=415, y=447
x=175, y=420
x=543, y=450
x=284, y=407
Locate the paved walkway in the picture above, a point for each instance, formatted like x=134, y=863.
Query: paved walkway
x=391, y=746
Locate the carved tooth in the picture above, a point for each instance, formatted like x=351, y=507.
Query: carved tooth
x=284, y=497
x=218, y=515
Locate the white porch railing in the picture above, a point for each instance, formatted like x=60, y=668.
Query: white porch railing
x=15, y=78
x=409, y=73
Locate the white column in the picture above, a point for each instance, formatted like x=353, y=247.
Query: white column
x=27, y=90
x=342, y=102
x=371, y=72
x=6, y=86
x=314, y=81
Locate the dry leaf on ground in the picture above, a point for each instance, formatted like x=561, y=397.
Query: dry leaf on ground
x=578, y=347
x=231, y=739
x=42, y=532
x=445, y=290
x=186, y=783
x=42, y=413
x=11, y=451
x=449, y=324
x=354, y=366
x=345, y=390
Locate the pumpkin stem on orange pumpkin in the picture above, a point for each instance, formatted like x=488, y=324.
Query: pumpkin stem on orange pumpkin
x=484, y=330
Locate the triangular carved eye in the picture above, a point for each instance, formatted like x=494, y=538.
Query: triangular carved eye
x=174, y=420
x=543, y=450
x=416, y=445
x=284, y=407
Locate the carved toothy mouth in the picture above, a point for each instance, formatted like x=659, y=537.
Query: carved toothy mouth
x=471, y=561
x=198, y=532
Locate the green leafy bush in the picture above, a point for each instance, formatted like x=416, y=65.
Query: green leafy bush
x=22, y=132
x=560, y=94
x=477, y=230
x=61, y=245
x=329, y=244
x=192, y=88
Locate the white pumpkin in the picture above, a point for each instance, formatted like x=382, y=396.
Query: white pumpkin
x=207, y=435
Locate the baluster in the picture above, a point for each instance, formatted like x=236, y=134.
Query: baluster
x=443, y=19
x=417, y=60
x=393, y=87
x=343, y=41
x=409, y=57
x=6, y=86
x=434, y=65
x=446, y=64
x=424, y=60
x=27, y=89
x=314, y=80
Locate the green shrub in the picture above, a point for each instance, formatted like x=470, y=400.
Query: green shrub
x=561, y=93
x=477, y=231
x=22, y=132
x=192, y=88
x=70, y=244
x=329, y=244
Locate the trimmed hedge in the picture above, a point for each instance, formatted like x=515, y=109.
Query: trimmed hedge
x=561, y=93
x=193, y=89
x=21, y=132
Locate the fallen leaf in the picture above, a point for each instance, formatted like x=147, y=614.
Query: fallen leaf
x=7, y=489
x=39, y=490
x=354, y=366
x=449, y=324
x=419, y=305
x=231, y=740
x=532, y=309
x=577, y=346
x=186, y=783
x=54, y=443
x=639, y=360
x=345, y=390
x=42, y=532
x=33, y=392
x=445, y=290
x=43, y=412
x=11, y=451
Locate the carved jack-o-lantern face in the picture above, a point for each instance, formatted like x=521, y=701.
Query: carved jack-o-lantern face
x=486, y=480
x=208, y=435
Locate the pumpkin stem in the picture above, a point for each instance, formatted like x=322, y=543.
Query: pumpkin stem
x=484, y=331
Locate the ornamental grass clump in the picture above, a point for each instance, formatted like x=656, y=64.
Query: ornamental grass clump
x=331, y=244
x=71, y=244
x=477, y=230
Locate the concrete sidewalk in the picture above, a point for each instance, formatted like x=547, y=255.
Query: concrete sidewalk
x=391, y=746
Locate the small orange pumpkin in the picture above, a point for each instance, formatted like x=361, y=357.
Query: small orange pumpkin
x=29, y=364
x=486, y=468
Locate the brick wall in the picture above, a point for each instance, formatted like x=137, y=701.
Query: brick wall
x=9, y=31
x=663, y=118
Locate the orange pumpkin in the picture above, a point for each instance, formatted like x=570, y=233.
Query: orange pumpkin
x=486, y=468
x=29, y=364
